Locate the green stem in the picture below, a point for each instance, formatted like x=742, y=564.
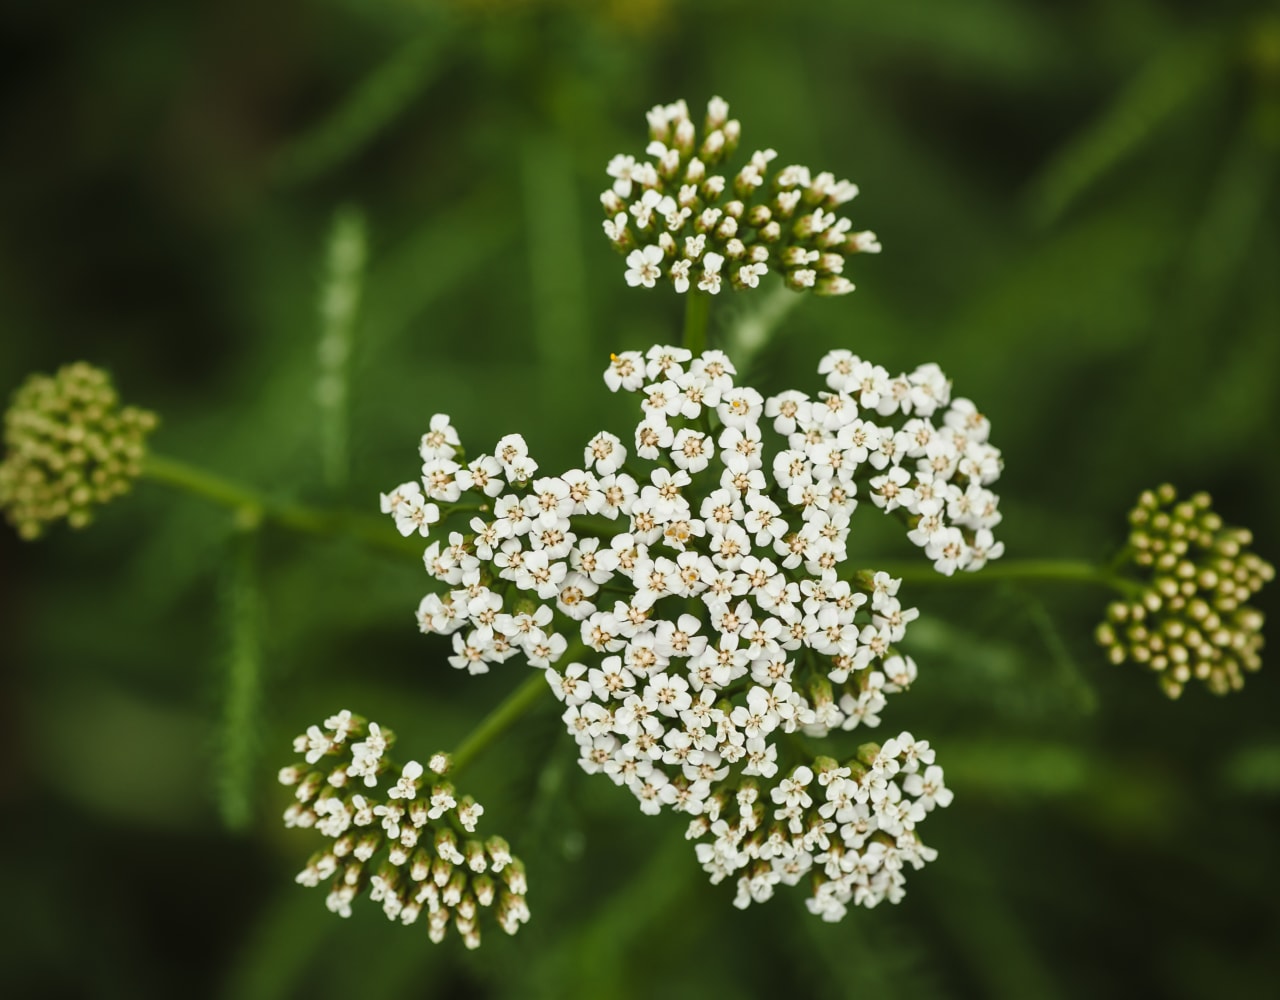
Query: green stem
x=255, y=505
x=496, y=722
x=754, y=330
x=240, y=724
x=697, y=311
x=204, y=484
x=1063, y=570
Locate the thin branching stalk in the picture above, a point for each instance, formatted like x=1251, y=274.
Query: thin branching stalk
x=493, y=725
x=1055, y=570
x=370, y=530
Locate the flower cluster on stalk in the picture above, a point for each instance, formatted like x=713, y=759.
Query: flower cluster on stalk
x=412, y=844
x=701, y=573
x=682, y=217
x=1190, y=616
x=70, y=446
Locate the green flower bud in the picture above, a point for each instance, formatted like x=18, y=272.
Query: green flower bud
x=1188, y=616
x=70, y=446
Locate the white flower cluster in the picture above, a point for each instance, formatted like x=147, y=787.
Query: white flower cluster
x=855, y=823
x=937, y=476
x=414, y=848
x=706, y=574
x=677, y=218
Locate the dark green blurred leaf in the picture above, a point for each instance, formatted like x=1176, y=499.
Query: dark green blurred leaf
x=1171, y=78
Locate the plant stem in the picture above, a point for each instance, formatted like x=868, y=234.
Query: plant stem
x=239, y=736
x=697, y=311
x=256, y=505
x=496, y=722
x=1063, y=570
x=755, y=329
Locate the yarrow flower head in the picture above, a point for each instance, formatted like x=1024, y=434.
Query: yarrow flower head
x=70, y=446
x=402, y=833
x=682, y=217
x=1189, y=616
x=689, y=597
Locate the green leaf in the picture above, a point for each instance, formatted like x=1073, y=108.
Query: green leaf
x=339, y=308
x=371, y=108
x=1168, y=82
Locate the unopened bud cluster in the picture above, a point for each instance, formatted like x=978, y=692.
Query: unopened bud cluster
x=1190, y=618
x=681, y=216
x=413, y=846
x=70, y=446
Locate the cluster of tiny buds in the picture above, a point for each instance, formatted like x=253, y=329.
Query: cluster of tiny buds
x=70, y=446
x=678, y=218
x=413, y=847
x=701, y=569
x=1189, y=616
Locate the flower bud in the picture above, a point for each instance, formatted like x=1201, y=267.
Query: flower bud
x=70, y=447
x=1192, y=577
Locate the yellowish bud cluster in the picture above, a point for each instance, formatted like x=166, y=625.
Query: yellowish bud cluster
x=1190, y=618
x=69, y=446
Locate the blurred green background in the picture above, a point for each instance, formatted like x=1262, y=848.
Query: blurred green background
x=1079, y=212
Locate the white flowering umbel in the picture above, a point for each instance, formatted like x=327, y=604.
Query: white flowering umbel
x=704, y=569
x=682, y=217
x=403, y=833
x=1190, y=616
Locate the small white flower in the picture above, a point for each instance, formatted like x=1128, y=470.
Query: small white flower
x=625, y=371
x=441, y=441
x=749, y=275
x=440, y=479
x=679, y=274
x=624, y=170
x=406, y=786
x=416, y=514
x=402, y=495
x=616, y=228
x=665, y=363
x=482, y=474
x=928, y=788
x=441, y=801
x=652, y=439
x=866, y=242
x=571, y=687
x=469, y=813
x=692, y=450
x=643, y=266
x=513, y=453
x=710, y=279
x=605, y=453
